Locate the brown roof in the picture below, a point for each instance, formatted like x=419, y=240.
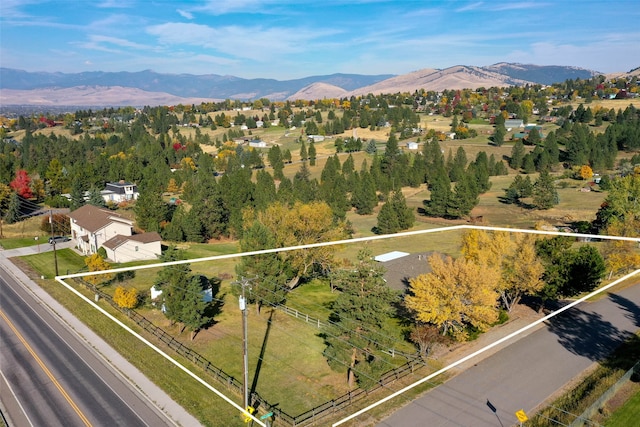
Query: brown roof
x=93, y=218
x=119, y=239
x=149, y=237
x=115, y=241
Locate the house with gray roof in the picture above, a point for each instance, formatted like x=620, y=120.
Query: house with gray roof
x=121, y=191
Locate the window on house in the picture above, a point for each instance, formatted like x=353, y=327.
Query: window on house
x=136, y=249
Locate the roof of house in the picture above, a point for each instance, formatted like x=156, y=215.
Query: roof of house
x=400, y=270
x=119, y=239
x=390, y=256
x=93, y=218
x=119, y=187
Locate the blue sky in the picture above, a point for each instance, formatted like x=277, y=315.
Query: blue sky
x=286, y=40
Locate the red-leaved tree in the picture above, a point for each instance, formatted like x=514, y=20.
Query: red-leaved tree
x=22, y=184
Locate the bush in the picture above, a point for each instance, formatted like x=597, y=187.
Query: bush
x=126, y=298
x=58, y=202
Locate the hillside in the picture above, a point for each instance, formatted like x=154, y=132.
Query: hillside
x=18, y=87
x=459, y=77
x=93, y=96
x=319, y=91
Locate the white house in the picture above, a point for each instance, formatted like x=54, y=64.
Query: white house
x=257, y=143
x=138, y=247
x=93, y=228
x=412, y=145
x=116, y=192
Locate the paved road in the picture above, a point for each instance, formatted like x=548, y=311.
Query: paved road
x=50, y=376
x=525, y=374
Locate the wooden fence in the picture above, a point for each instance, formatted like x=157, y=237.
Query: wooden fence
x=309, y=417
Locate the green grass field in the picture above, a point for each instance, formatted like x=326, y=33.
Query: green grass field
x=625, y=416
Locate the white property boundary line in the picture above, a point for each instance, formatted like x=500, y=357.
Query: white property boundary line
x=61, y=279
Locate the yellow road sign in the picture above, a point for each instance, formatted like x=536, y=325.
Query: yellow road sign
x=522, y=417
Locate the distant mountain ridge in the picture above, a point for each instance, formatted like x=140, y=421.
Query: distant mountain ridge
x=151, y=88
x=210, y=86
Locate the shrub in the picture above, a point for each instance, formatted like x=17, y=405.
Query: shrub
x=126, y=298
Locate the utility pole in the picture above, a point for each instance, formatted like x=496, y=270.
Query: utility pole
x=244, y=282
x=53, y=241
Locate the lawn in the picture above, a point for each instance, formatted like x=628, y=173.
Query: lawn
x=624, y=416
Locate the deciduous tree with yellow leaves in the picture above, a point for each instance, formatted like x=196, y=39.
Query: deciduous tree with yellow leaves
x=513, y=256
x=456, y=294
x=300, y=224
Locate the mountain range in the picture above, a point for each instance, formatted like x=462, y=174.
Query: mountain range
x=18, y=87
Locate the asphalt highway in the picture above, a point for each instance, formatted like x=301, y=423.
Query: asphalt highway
x=525, y=374
x=51, y=377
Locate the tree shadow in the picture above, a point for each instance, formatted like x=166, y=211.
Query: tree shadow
x=632, y=310
x=587, y=334
x=263, y=350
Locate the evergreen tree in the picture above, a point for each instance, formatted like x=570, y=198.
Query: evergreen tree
x=194, y=314
x=458, y=165
x=285, y=191
x=274, y=155
x=528, y=165
x=394, y=215
x=269, y=270
x=13, y=213
x=95, y=198
x=534, y=137
x=463, y=199
x=545, y=195
x=517, y=155
x=499, y=134
x=77, y=195
x=551, y=148
x=265, y=193
x=312, y=154
x=305, y=189
x=359, y=315
x=440, y=188
x=387, y=220
x=364, y=197
x=481, y=172
x=304, y=156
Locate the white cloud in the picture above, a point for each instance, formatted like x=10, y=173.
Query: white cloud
x=13, y=8
x=185, y=14
x=115, y=4
x=117, y=41
x=612, y=53
x=221, y=7
x=243, y=42
x=471, y=6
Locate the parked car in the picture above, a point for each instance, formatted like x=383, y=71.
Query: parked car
x=58, y=239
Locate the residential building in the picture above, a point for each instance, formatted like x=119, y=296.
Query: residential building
x=93, y=228
x=138, y=247
x=117, y=192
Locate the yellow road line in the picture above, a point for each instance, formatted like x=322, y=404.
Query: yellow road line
x=46, y=370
